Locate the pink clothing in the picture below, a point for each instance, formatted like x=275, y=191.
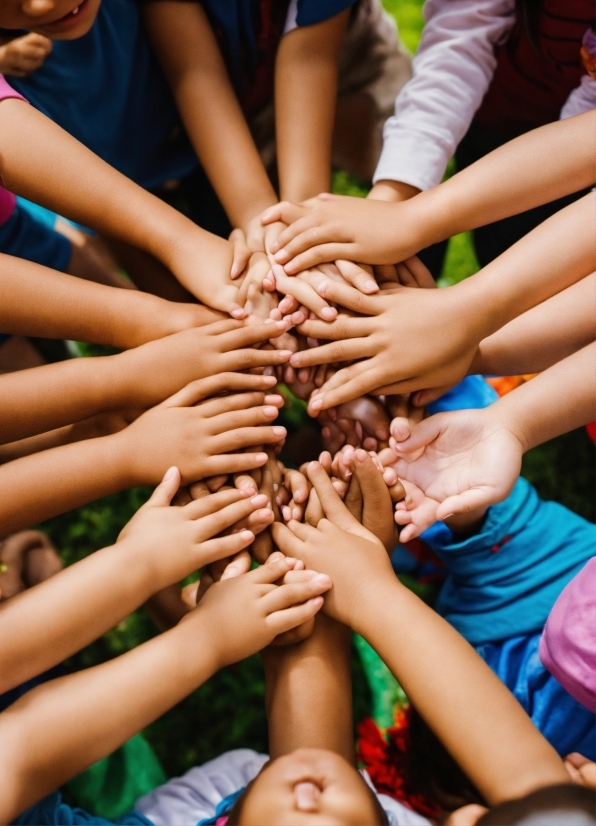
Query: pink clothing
x=568, y=644
x=8, y=201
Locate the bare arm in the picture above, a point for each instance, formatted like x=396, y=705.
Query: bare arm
x=188, y=51
x=309, y=692
x=305, y=95
x=42, y=162
x=540, y=337
x=37, y=301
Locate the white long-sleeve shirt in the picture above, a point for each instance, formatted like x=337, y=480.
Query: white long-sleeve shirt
x=451, y=73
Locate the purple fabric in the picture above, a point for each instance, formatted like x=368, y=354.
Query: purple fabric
x=568, y=644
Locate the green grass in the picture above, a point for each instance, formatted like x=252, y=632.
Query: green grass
x=228, y=711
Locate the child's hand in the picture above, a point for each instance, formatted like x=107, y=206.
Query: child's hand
x=581, y=770
x=470, y=460
x=176, y=541
x=205, y=439
x=26, y=559
x=341, y=547
x=369, y=501
x=23, y=55
x=392, y=361
x=343, y=227
x=151, y=373
x=415, y=513
x=244, y=614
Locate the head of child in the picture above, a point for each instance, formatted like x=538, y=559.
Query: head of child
x=568, y=804
x=55, y=19
x=308, y=786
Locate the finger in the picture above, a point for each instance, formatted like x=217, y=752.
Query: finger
x=205, y=506
x=251, y=334
x=272, y=571
x=333, y=352
x=250, y=358
x=377, y=500
x=337, y=330
x=246, y=483
x=295, y=593
x=333, y=508
x=285, y=211
x=409, y=532
x=351, y=299
x=225, y=546
x=298, y=484
x=282, y=621
x=358, y=380
x=239, y=564
x=238, y=438
x=201, y=389
x=359, y=277
x=262, y=547
x=287, y=542
x=242, y=253
x=421, y=274
x=166, y=490
x=256, y=521
x=238, y=418
x=421, y=434
x=303, y=293
x=353, y=499
x=234, y=463
x=199, y=490
x=469, y=500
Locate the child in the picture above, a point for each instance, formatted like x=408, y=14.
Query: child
x=39, y=160
x=65, y=744
x=311, y=776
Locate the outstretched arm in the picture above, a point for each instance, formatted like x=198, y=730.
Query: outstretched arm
x=309, y=692
x=306, y=71
x=493, y=740
x=42, y=162
x=37, y=301
x=62, y=727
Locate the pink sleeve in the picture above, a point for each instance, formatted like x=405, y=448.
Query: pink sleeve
x=7, y=199
x=568, y=644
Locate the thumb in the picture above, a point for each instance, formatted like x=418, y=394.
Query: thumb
x=422, y=398
x=469, y=500
x=164, y=493
x=421, y=434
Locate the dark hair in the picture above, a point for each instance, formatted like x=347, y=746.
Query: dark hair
x=432, y=772
x=552, y=806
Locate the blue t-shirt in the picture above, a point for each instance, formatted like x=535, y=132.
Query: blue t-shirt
x=107, y=90
x=51, y=811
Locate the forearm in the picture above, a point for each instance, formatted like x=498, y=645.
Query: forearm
x=42, y=162
x=66, y=725
x=555, y=255
x=543, y=335
x=188, y=51
x=512, y=179
x=46, y=484
x=54, y=395
x=309, y=692
x=305, y=97
x=493, y=741
x=37, y=301
x=46, y=624
x=555, y=402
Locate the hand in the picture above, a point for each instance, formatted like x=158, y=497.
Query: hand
x=343, y=227
x=201, y=439
x=154, y=371
x=470, y=460
x=176, y=541
x=23, y=55
x=355, y=560
x=581, y=770
x=397, y=353
x=26, y=559
x=369, y=500
x=244, y=614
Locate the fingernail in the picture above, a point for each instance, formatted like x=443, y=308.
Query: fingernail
x=263, y=514
x=260, y=457
x=280, y=256
x=279, y=430
x=238, y=313
x=286, y=513
x=269, y=380
x=325, y=433
x=328, y=313
x=270, y=411
x=273, y=400
x=286, y=354
x=295, y=360
x=322, y=579
x=259, y=500
x=317, y=404
x=298, y=317
x=321, y=289
x=371, y=286
x=169, y=473
x=361, y=455
x=245, y=536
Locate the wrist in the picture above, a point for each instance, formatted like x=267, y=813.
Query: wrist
x=119, y=451
x=474, y=304
x=392, y=191
x=365, y=610
x=201, y=637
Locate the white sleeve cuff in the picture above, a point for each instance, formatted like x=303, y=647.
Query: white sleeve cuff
x=413, y=157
